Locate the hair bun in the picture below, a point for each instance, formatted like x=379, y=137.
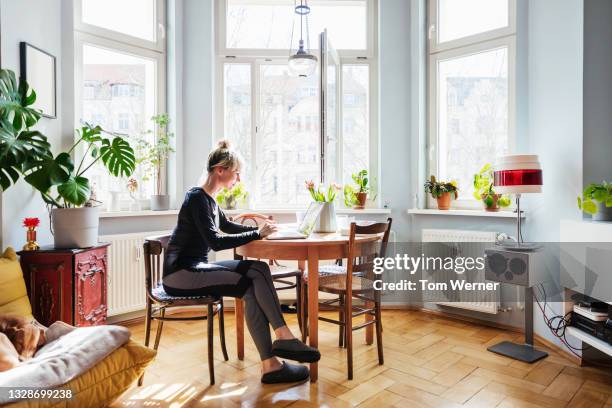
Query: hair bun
x=224, y=144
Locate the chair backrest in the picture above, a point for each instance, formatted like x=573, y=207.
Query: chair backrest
x=254, y=219
x=360, y=260
x=154, y=249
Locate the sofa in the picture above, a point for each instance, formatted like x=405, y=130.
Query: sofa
x=101, y=384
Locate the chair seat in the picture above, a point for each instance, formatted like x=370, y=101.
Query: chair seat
x=160, y=295
x=328, y=270
x=279, y=272
x=337, y=284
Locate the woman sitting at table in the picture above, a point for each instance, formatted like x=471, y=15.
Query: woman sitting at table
x=202, y=226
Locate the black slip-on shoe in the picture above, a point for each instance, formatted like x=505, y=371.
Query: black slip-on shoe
x=295, y=350
x=287, y=374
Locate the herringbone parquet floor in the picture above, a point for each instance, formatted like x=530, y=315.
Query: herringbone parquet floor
x=429, y=362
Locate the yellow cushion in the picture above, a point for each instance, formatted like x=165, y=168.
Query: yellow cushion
x=13, y=294
x=103, y=383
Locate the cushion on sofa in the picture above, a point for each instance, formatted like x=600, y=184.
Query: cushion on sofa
x=105, y=382
x=13, y=294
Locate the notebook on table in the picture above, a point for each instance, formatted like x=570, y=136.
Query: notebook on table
x=304, y=229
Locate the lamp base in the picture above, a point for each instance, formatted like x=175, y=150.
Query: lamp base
x=520, y=246
x=521, y=352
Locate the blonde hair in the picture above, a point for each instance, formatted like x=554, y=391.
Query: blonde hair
x=224, y=156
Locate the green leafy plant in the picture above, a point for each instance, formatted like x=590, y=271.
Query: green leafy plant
x=17, y=142
x=27, y=153
x=483, y=188
x=153, y=157
x=361, y=186
x=229, y=198
x=319, y=194
x=600, y=193
x=437, y=188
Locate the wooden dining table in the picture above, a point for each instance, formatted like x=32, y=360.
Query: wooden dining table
x=315, y=248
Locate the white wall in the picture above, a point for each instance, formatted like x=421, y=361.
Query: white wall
x=37, y=22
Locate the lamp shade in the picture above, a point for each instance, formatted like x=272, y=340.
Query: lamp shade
x=517, y=174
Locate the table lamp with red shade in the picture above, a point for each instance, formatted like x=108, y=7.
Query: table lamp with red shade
x=518, y=174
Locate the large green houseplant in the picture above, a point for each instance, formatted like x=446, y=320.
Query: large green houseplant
x=62, y=185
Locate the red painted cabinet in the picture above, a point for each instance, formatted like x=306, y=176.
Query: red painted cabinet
x=67, y=284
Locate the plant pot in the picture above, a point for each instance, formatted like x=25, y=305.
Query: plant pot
x=361, y=201
x=444, y=201
x=327, y=219
x=75, y=227
x=603, y=213
x=492, y=206
x=160, y=202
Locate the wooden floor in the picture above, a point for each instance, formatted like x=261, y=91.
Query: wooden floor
x=429, y=362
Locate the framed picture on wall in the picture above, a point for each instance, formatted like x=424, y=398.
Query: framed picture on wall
x=39, y=70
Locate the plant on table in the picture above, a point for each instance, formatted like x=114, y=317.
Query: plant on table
x=228, y=199
x=484, y=191
x=320, y=193
x=357, y=195
x=442, y=191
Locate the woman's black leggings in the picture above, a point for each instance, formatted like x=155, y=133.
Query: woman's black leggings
x=249, y=280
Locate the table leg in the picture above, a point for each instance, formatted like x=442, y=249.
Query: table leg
x=369, y=331
x=313, y=306
x=239, y=314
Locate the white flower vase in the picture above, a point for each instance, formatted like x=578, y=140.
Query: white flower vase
x=327, y=219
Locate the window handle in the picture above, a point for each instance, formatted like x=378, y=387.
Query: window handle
x=431, y=31
x=162, y=30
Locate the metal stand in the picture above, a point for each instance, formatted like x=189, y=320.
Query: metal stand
x=523, y=352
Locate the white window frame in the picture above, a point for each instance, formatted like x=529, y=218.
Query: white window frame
x=160, y=34
x=255, y=58
x=470, y=45
x=86, y=34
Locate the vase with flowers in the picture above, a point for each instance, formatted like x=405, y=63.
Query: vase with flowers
x=327, y=217
x=31, y=224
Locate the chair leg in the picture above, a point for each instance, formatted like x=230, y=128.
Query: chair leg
x=160, y=326
x=298, y=301
x=379, y=343
x=348, y=333
x=304, y=287
x=147, y=333
x=341, y=328
x=221, y=312
x=210, y=335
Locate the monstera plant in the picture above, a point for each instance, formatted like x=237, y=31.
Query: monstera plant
x=63, y=186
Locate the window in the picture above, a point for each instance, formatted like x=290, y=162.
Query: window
x=272, y=117
x=471, y=88
x=120, y=76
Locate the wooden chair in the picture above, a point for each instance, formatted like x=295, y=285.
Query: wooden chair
x=280, y=273
x=158, y=301
x=354, y=281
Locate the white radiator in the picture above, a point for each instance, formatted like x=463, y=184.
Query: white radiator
x=126, y=276
x=465, y=299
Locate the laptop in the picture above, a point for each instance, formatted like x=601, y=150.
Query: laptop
x=305, y=228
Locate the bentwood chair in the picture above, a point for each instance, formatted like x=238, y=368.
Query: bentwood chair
x=281, y=274
x=355, y=281
x=158, y=301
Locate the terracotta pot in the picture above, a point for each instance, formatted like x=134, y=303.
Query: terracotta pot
x=361, y=198
x=494, y=206
x=444, y=201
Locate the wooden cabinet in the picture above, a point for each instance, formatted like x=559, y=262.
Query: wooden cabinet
x=67, y=284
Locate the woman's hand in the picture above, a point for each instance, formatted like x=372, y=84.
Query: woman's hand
x=267, y=229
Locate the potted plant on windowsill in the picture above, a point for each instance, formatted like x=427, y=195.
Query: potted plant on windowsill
x=327, y=216
x=442, y=191
x=483, y=190
x=153, y=157
x=597, y=201
x=64, y=188
x=228, y=199
x=357, y=196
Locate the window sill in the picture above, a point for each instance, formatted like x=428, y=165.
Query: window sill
x=464, y=213
x=149, y=213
